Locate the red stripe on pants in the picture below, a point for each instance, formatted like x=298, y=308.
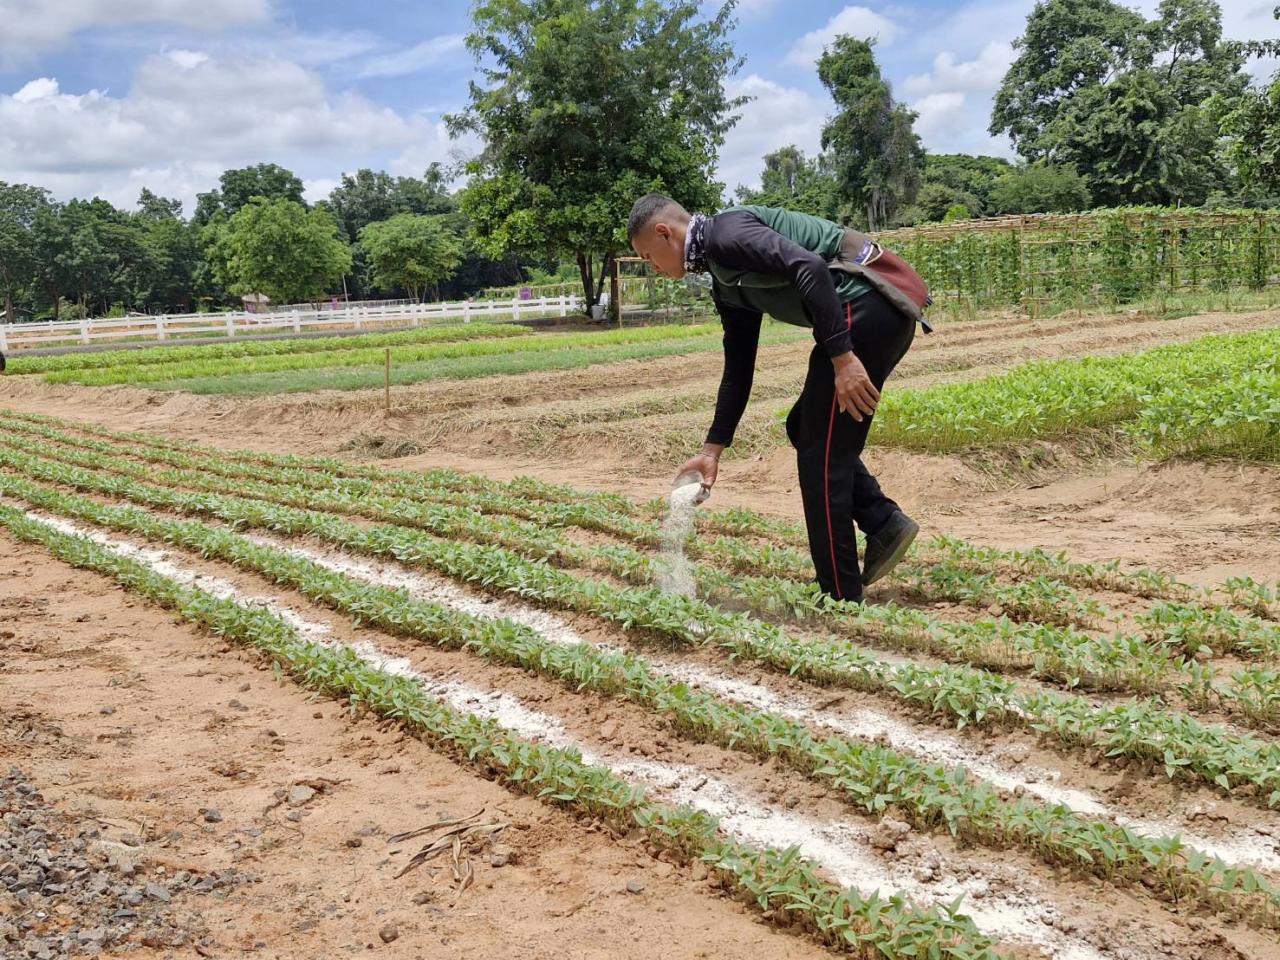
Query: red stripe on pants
x=826, y=473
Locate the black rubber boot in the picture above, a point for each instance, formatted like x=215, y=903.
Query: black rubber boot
x=888, y=546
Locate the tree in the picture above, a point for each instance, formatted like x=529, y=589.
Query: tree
x=950, y=180
x=968, y=176
x=875, y=151
x=584, y=106
x=1040, y=188
x=370, y=196
x=278, y=248
x=410, y=251
x=152, y=207
x=790, y=179
x=936, y=200
x=237, y=187
x=1251, y=127
x=1068, y=46
x=89, y=251
x=19, y=206
x=1123, y=100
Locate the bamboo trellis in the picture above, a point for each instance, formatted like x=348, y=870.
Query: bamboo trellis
x=1103, y=259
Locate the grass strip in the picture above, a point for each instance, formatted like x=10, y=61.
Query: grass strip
x=413, y=361
x=1061, y=655
x=104, y=359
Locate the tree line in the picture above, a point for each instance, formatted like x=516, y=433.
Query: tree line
x=374, y=235
x=1104, y=108
x=583, y=105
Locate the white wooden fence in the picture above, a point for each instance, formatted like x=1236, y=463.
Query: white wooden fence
x=164, y=326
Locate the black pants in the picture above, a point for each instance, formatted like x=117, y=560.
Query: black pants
x=837, y=490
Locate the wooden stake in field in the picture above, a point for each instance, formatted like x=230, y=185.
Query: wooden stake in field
x=386, y=385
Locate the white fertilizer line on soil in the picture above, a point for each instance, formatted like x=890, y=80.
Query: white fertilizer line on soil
x=842, y=848
x=1241, y=847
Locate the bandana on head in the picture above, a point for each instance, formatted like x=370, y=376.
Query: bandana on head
x=695, y=244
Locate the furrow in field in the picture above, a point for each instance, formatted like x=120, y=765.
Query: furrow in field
x=1050, y=577
x=1122, y=663
x=1239, y=845
x=896, y=647
x=844, y=848
x=632, y=680
x=1209, y=753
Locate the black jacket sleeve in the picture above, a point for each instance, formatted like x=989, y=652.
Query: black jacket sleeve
x=742, y=241
x=741, y=339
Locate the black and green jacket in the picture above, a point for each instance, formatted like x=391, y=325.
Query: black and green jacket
x=765, y=260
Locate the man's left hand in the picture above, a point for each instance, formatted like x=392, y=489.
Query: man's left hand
x=855, y=392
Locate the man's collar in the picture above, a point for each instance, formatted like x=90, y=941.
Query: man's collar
x=695, y=244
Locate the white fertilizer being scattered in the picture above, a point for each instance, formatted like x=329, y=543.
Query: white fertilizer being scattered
x=673, y=572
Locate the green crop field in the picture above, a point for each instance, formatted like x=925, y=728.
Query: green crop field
x=1143, y=688
x=1217, y=396
x=456, y=352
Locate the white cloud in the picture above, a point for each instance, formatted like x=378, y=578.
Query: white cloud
x=428, y=53
x=186, y=119
x=189, y=59
x=314, y=49
x=953, y=100
x=37, y=89
x=33, y=27
x=858, y=22
x=956, y=122
x=777, y=117
x=940, y=116
x=982, y=75
x=319, y=188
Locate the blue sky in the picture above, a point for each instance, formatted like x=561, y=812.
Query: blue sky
x=102, y=97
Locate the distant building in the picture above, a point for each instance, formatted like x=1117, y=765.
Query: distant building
x=256, y=302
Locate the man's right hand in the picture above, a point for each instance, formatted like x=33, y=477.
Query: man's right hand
x=707, y=463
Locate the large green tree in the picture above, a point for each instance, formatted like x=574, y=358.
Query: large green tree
x=237, y=187
x=165, y=279
x=1251, y=126
x=369, y=196
x=411, y=251
x=954, y=181
x=19, y=205
x=584, y=105
x=89, y=252
x=1040, y=188
x=790, y=179
x=973, y=176
x=278, y=248
x=1123, y=100
x=874, y=148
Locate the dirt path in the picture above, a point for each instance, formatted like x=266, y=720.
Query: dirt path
x=136, y=725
